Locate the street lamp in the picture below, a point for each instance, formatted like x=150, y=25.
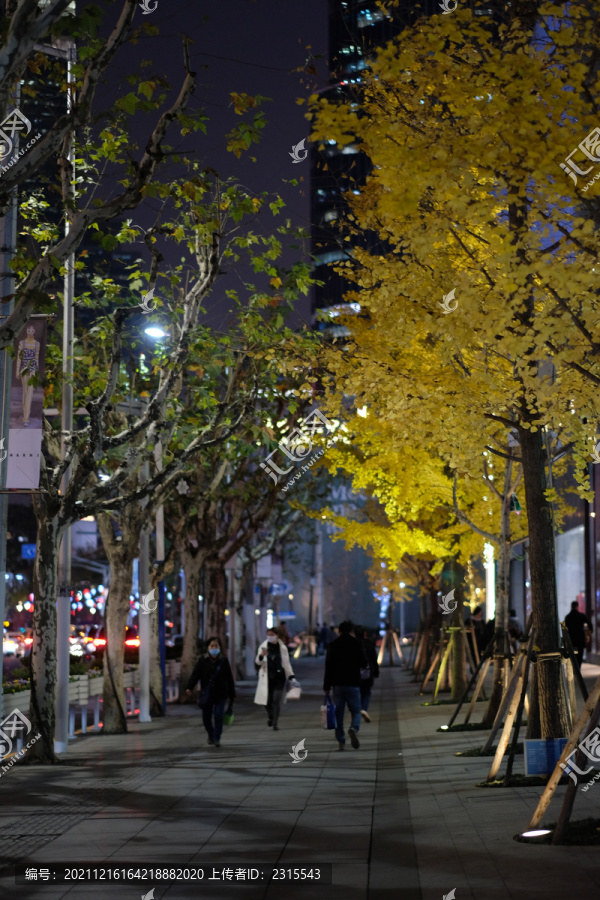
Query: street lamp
x=155, y=332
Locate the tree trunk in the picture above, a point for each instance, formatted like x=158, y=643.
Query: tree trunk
x=114, y=716
x=458, y=654
x=238, y=611
x=534, y=731
x=554, y=721
x=217, y=601
x=43, y=654
x=189, y=657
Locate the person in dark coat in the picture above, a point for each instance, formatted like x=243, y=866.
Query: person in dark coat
x=575, y=622
x=372, y=668
x=216, y=688
x=345, y=658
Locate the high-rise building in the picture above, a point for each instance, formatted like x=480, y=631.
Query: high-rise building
x=356, y=27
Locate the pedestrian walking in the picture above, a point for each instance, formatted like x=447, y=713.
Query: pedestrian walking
x=345, y=658
x=369, y=672
x=216, y=688
x=576, y=622
x=515, y=632
x=324, y=638
x=274, y=671
x=284, y=634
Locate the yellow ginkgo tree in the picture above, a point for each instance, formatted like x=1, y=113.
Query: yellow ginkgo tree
x=479, y=302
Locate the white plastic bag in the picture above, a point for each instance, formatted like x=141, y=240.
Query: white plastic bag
x=294, y=691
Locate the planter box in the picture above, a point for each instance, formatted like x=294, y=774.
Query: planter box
x=19, y=701
x=131, y=679
x=96, y=685
x=79, y=690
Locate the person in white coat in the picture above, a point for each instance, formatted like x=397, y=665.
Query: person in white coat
x=275, y=669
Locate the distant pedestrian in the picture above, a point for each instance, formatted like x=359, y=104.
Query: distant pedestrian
x=345, y=658
x=216, y=688
x=576, y=622
x=324, y=638
x=369, y=672
x=515, y=632
x=273, y=661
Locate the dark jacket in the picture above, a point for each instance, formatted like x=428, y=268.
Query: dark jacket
x=575, y=622
x=370, y=652
x=345, y=658
x=223, y=685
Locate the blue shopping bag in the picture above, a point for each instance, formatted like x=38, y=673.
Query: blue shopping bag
x=331, y=723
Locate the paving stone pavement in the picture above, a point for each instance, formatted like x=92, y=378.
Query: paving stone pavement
x=399, y=818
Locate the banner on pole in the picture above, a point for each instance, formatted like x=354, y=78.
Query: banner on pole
x=26, y=406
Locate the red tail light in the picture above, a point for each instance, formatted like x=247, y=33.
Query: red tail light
x=28, y=641
x=132, y=642
x=99, y=642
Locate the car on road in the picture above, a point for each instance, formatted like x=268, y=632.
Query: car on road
x=131, y=640
x=12, y=644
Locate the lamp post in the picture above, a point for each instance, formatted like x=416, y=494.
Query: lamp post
x=402, y=586
x=144, y=625
x=8, y=241
x=63, y=599
x=144, y=620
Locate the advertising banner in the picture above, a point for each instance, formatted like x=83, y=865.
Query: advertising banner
x=26, y=406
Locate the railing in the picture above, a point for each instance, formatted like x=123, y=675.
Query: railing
x=83, y=688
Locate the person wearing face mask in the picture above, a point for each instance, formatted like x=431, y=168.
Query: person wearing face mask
x=274, y=670
x=216, y=688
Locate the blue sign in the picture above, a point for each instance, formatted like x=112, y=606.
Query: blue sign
x=542, y=755
x=27, y=551
x=279, y=588
x=287, y=615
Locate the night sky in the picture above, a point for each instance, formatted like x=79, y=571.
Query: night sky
x=247, y=46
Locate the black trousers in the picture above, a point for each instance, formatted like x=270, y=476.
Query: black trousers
x=274, y=700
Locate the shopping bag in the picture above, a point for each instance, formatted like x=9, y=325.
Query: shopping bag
x=294, y=691
x=228, y=717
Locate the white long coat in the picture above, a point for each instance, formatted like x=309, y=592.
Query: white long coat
x=262, y=688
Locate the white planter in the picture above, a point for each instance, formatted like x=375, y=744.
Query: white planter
x=96, y=686
x=19, y=701
x=79, y=690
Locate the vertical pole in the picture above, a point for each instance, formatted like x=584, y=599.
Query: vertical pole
x=230, y=574
x=8, y=242
x=319, y=569
x=160, y=557
x=182, y=591
x=144, y=620
x=490, y=582
x=401, y=619
x=63, y=599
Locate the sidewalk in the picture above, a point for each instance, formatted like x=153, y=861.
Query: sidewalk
x=400, y=818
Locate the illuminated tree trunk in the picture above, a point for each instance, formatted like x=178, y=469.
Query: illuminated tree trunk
x=217, y=601
x=192, y=566
x=552, y=701
x=457, y=639
x=43, y=655
x=120, y=550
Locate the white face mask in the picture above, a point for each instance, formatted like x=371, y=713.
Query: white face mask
x=272, y=638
